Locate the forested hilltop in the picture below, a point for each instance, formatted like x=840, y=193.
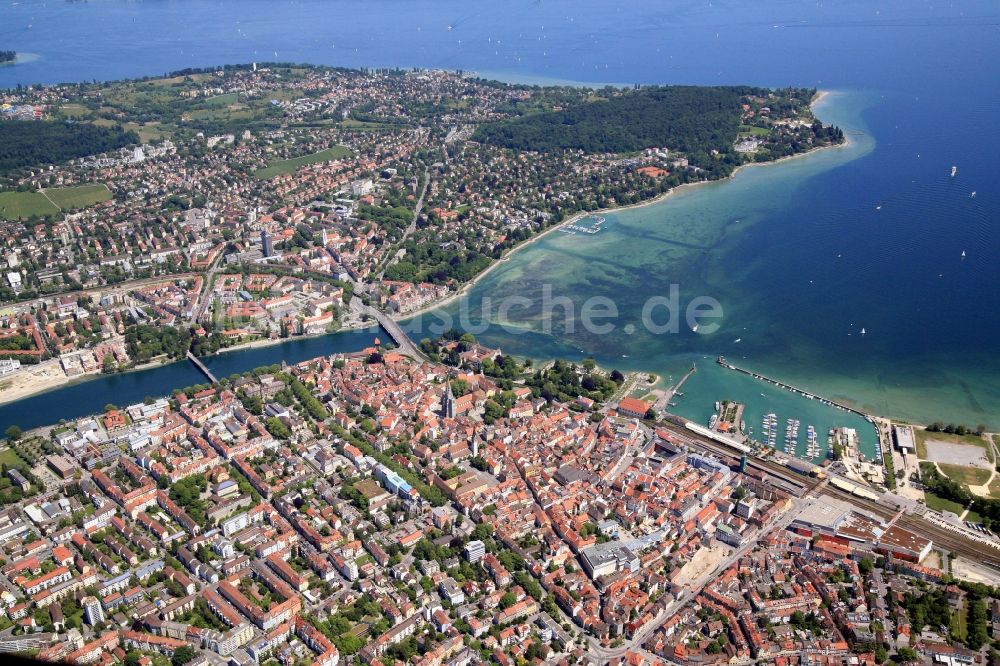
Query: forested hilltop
x=695, y=120
x=685, y=118
x=25, y=143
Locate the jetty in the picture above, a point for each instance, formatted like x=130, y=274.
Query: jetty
x=201, y=366
x=571, y=228
x=664, y=400
x=794, y=389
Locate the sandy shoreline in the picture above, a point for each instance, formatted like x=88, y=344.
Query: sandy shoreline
x=440, y=303
x=48, y=375
x=33, y=380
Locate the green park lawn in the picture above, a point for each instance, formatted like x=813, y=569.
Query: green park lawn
x=941, y=504
x=970, y=476
x=282, y=167
x=22, y=205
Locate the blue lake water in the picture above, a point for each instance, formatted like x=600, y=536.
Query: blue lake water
x=869, y=236
x=90, y=396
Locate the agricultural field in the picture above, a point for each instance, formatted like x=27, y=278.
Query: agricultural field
x=282, y=167
x=79, y=196
x=73, y=110
x=148, y=132
x=22, y=205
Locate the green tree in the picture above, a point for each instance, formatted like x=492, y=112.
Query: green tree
x=182, y=655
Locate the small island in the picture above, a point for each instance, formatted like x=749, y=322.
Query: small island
x=7, y=56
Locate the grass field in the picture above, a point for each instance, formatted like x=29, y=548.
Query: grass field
x=17, y=205
x=74, y=110
x=282, y=167
x=942, y=504
x=149, y=131
x=353, y=124
x=754, y=131
x=222, y=100
x=80, y=196
x=959, y=629
x=10, y=458
x=970, y=476
x=177, y=80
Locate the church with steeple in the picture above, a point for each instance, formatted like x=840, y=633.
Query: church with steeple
x=448, y=402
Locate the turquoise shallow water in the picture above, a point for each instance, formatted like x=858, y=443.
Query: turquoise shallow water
x=692, y=239
x=870, y=236
x=797, y=260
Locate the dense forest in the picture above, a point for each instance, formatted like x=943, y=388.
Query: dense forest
x=25, y=143
x=684, y=118
x=8, y=56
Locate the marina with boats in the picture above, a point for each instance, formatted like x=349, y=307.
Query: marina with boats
x=597, y=222
x=810, y=396
x=797, y=435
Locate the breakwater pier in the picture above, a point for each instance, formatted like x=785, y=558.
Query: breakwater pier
x=794, y=389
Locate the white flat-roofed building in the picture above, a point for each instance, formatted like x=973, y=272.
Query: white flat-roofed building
x=905, y=440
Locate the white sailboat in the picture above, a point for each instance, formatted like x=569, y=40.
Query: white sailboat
x=954, y=170
x=862, y=331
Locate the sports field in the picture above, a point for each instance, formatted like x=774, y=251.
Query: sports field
x=79, y=196
x=282, y=167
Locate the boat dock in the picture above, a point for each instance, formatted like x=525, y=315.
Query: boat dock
x=794, y=389
x=201, y=366
x=663, y=401
x=882, y=444
x=592, y=229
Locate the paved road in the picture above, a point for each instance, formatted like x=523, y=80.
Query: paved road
x=404, y=343
x=638, y=640
x=413, y=224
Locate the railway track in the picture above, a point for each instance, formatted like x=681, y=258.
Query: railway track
x=941, y=536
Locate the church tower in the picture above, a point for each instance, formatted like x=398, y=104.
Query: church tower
x=448, y=402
